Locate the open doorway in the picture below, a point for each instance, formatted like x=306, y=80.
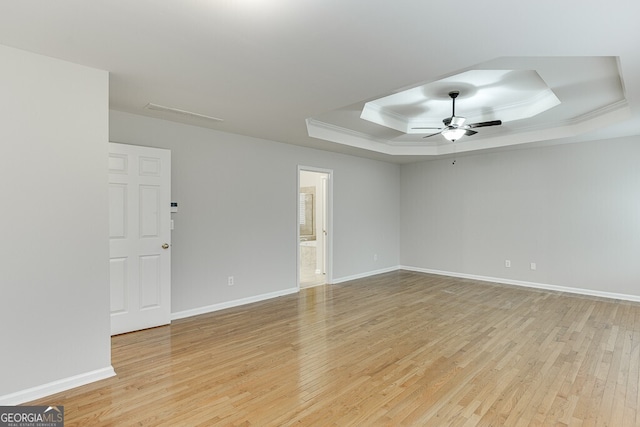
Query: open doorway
x=314, y=226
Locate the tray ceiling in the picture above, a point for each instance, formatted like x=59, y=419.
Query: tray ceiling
x=537, y=98
x=302, y=72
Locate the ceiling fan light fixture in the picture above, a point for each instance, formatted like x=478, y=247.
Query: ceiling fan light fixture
x=453, y=134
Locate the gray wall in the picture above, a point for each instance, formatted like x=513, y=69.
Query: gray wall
x=572, y=209
x=54, y=301
x=237, y=210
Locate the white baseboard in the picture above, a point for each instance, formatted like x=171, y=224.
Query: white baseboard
x=54, y=387
x=229, y=304
x=579, y=291
x=363, y=275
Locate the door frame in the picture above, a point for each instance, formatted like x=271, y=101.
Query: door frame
x=329, y=221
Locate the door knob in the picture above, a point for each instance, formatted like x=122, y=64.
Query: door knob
x=165, y=246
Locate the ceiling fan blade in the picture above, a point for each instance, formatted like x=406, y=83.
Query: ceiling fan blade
x=433, y=134
x=484, y=124
x=427, y=128
x=470, y=132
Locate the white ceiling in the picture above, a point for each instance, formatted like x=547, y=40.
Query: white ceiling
x=268, y=66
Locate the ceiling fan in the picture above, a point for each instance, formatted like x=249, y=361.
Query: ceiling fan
x=454, y=127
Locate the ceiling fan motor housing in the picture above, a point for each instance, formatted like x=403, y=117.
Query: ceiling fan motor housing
x=454, y=121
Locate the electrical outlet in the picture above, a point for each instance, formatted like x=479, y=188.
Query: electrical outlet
x=230, y=281
x=375, y=257
x=507, y=263
x=533, y=266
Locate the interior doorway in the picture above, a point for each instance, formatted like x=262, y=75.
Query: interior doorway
x=314, y=226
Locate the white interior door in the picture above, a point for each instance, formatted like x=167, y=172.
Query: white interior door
x=324, y=225
x=140, y=237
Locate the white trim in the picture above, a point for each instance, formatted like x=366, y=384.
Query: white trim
x=230, y=304
x=54, y=387
x=544, y=286
x=367, y=274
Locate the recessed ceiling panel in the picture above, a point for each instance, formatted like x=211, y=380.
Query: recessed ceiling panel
x=535, y=98
x=484, y=95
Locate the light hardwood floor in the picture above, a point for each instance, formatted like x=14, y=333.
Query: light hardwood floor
x=396, y=349
x=308, y=264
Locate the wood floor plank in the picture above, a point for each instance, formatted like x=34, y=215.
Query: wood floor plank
x=396, y=349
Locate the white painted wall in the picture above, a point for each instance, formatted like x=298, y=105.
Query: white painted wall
x=237, y=210
x=572, y=209
x=54, y=302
